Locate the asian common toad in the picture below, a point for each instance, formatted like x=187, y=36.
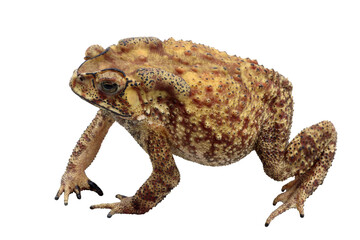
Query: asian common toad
x=193, y=101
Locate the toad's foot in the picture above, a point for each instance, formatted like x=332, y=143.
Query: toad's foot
x=76, y=181
x=127, y=205
x=294, y=197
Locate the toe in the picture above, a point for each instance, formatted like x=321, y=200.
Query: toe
x=277, y=212
x=289, y=185
x=66, y=196
x=61, y=190
x=120, y=197
x=111, y=213
x=281, y=197
x=77, y=192
x=94, y=187
x=114, y=208
x=300, y=208
x=103, y=205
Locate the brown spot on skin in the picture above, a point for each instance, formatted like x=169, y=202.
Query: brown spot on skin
x=237, y=78
x=70, y=167
x=255, y=62
x=208, y=56
x=194, y=47
x=188, y=53
x=86, y=138
x=147, y=195
x=209, y=88
x=180, y=70
x=80, y=147
x=246, y=123
x=195, y=68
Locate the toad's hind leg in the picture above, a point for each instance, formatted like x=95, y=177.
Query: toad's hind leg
x=307, y=157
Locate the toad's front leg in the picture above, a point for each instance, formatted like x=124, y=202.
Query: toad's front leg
x=74, y=178
x=164, y=177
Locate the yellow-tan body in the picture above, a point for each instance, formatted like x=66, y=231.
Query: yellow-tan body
x=177, y=97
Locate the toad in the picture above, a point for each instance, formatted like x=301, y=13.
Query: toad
x=198, y=103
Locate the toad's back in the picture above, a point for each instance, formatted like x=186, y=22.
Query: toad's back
x=220, y=120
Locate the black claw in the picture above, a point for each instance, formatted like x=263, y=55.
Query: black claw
x=266, y=224
x=92, y=207
x=56, y=197
x=109, y=215
x=78, y=195
x=302, y=215
x=66, y=204
x=95, y=188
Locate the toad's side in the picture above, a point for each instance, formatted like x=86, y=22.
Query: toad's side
x=176, y=97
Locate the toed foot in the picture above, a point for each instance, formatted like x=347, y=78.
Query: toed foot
x=76, y=181
x=294, y=197
x=127, y=205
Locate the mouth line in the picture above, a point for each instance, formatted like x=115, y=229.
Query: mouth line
x=97, y=105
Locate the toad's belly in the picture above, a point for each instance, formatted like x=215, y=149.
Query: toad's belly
x=206, y=139
x=214, y=149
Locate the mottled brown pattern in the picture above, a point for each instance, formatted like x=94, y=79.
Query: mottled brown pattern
x=191, y=100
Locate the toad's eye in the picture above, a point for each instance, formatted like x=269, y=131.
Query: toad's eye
x=109, y=87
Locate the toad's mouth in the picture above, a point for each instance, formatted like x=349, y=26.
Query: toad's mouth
x=121, y=114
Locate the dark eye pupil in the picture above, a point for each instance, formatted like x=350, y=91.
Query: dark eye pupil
x=109, y=87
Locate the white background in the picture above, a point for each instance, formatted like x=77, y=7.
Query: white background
x=313, y=43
